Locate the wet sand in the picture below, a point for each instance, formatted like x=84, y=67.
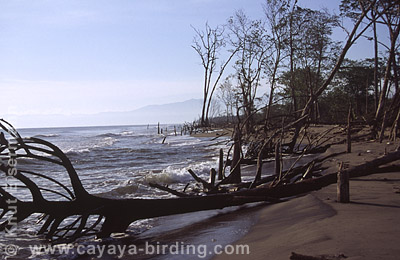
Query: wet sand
x=315, y=224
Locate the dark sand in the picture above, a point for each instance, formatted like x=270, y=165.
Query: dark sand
x=315, y=224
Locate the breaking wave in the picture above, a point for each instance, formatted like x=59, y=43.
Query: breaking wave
x=90, y=146
x=123, y=133
x=46, y=135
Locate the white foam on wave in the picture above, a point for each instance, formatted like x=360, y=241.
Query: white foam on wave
x=108, y=141
x=127, y=133
x=164, y=177
x=77, y=150
x=179, y=174
x=127, y=189
x=88, y=147
x=138, y=185
x=181, y=143
x=123, y=133
x=46, y=135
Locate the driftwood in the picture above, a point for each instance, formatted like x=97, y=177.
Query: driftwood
x=77, y=213
x=76, y=202
x=296, y=256
x=213, y=174
x=307, y=185
x=349, y=131
x=221, y=165
x=343, y=189
x=206, y=185
x=164, y=188
x=235, y=176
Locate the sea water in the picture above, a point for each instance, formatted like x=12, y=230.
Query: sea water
x=120, y=162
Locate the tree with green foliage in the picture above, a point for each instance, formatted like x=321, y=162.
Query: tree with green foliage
x=386, y=12
x=249, y=38
x=356, y=78
x=276, y=14
x=311, y=53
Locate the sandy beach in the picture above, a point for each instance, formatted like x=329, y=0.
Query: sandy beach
x=316, y=225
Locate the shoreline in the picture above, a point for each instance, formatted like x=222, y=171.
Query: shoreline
x=300, y=224
x=314, y=224
x=214, y=133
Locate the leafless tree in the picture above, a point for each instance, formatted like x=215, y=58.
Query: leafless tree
x=227, y=95
x=208, y=44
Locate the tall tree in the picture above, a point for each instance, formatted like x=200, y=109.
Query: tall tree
x=356, y=78
x=228, y=96
x=355, y=34
x=391, y=18
x=292, y=34
x=208, y=44
x=315, y=51
x=276, y=13
x=383, y=12
x=248, y=37
x=310, y=53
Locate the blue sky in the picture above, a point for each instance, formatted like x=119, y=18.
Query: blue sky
x=89, y=56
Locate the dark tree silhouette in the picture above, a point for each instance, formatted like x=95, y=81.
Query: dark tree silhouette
x=76, y=213
x=71, y=212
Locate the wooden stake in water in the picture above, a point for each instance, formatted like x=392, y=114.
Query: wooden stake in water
x=221, y=165
x=235, y=174
x=213, y=174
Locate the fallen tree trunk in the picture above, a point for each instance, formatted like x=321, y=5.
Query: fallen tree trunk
x=296, y=256
x=112, y=215
x=307, y=185
x=107, y=213
x=111, y=211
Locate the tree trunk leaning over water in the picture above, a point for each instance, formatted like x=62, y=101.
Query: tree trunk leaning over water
x=77, y=202
x=77, y=213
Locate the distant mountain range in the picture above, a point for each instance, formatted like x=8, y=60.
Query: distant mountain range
x=171, y=113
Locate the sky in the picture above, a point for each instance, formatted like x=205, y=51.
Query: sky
x=90, y=56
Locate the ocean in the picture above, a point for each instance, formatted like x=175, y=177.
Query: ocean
x=120, y=162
